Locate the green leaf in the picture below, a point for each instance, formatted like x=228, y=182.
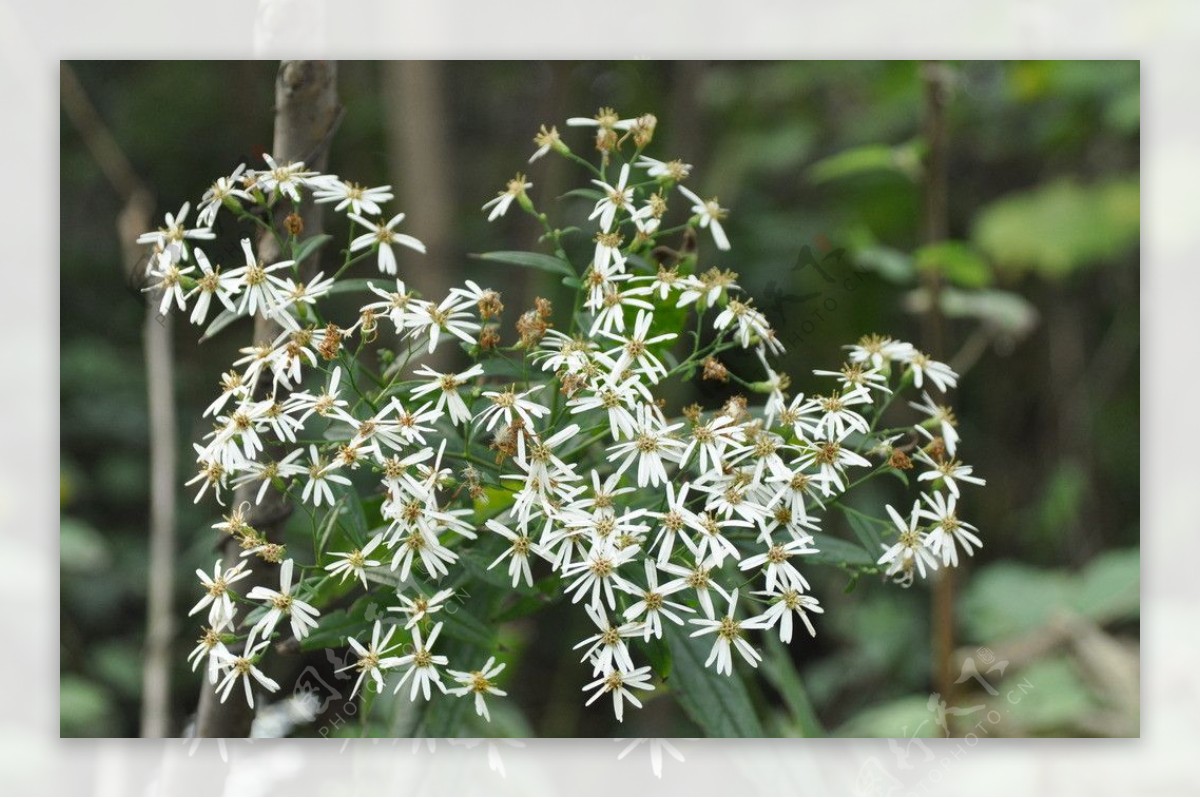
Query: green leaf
x=904, y=159
x=1060, y=227
x=781, y=673
x=890, y=264
x=955, y=261
x=460, y=625
x=593, y=194
x=719, y=704
x=864, y=530
x=303, y=250
x=835, y=551
x=356, y=285
x=529, y=260
x=223, y=320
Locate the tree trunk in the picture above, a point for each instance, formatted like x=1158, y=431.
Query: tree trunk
x=306, y=114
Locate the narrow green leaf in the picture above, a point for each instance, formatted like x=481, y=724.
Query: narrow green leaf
x=303, y=250
x=777, y=666
x=529, y=260
x=223, y=320
x=835, y=551
x=719, y=704
x=593, y=194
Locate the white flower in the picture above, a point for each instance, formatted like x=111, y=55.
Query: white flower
x=288, y=179
x=222, y=189
x=709, y=439
x=837, y=419
x=751, y=324
x=346, y=194
x=879, y=350
x=652, y=446
x=634, y=350
x=260, y=288
x=355, y=562
x=479, y=683
x=212, y=283
x=615, y=198
x=209, y=646
x=607, y=648
x=171, y=239
x=372, y=660
x=383, y=235
x=616, y=398
x=671, y=170
x=941, y=375
x=425, y=544
x=422, y=606
x=508, y=406
x=281, y=602
x=940, y=415
x=948, y=529
x=696, y=577
x=244, y=666
x=522, y=546
x=729, y=637
x=783, y=604
x=832, y=459
x=780, y=570
x=450, y=316
x=168, y=279
x=611, y=308
x=447, y=385
x=595, y=574
x=422, y=665
x=395, y=304
x=268, y=472
x=515, y=188
x=855, y=376
x=949, y=471
x=910, y=551
x=619, y=682
x=653, y=603
x=318, y=480
x=216, y=597
x=710, y=214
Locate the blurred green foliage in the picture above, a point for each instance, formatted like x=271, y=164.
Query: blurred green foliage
x=1041, y=307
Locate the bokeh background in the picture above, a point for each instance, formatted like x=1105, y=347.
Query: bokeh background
x=1040, y=289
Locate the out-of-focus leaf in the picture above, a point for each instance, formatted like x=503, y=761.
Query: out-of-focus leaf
x=904, y=159
x=81, y=548
x=530, y=260
x=904, y=718
x=890, y=264
x=1006, y=599
x=1005, y=311
x=1048, y=697
x=1109, y=588
x=85, y=709
x=719, y=704
x=1060, y=227
x=955, y=261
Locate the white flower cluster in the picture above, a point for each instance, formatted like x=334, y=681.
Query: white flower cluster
x=648, y=519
